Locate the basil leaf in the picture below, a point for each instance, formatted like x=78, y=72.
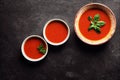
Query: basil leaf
x=96, y=17
x=97, y=29
x=100, y=23
x=42, y=49
x=92, y=23
x=95, y=23
x=91, y=27
x=89, y=18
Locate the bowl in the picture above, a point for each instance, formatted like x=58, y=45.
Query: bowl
x=56, y=32
x=93, y=40
x=32, y=50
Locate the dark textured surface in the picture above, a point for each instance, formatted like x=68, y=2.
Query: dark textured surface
x=71, y=61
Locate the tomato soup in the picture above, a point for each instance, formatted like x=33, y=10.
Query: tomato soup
x=84, y=24
x=31, y=47
x=56, y=31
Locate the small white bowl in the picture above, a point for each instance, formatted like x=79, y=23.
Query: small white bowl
x=108, y=12
x=24, y=54
x=60, y=43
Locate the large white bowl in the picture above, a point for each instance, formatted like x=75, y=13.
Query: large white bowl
x=108, y=12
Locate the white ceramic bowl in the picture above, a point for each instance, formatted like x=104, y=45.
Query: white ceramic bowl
x=108, y=12
x=60, y=43
x=31, y=59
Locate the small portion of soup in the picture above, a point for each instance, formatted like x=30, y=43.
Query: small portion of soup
x=56, y=31
x=84, y=24
x=31, y=48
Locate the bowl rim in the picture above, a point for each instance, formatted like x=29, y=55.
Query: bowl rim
x=24, y=54
x=66, y=25
x=107, y=10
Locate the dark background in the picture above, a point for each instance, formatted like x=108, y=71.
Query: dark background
x=72, y=61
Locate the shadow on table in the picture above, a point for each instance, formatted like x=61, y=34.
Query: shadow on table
x=56, y=49
x=30, y=63
x=89, y=49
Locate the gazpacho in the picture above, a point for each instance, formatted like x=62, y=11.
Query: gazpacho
x=56, y=32
x=94, y=24
x=34, y=48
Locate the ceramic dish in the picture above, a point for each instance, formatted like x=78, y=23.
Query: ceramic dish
x=56, y=32
x=91, y=37
x=31, y=47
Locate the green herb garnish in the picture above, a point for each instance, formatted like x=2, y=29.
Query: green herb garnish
x=95, y=24
x=42, y=49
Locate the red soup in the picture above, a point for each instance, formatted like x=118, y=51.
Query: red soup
x=56, y=31
x=84, y=24
x=31, y=47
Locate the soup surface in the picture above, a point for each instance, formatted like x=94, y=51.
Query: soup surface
x=84, y=24
x=31, y=48
x=56, y=31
